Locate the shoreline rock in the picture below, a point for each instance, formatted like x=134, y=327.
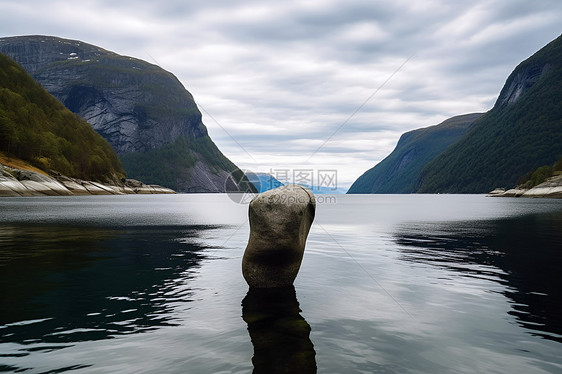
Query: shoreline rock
x=19, y=182
x=551, y=188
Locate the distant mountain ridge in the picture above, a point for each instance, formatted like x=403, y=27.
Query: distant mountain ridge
x=521, y=132
x=399, y=171
x=263, y=181
x=142, y=110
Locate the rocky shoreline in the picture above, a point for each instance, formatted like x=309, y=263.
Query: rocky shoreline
x=552, y=187
x=19, y=182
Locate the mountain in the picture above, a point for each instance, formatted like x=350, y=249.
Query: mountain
x=263, y=181
x=143, y=111
x=37, y=129
x=521, y=132
x=399, y=172
x=477, y=153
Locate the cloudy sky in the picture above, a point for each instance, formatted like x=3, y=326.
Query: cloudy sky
x=321, y=84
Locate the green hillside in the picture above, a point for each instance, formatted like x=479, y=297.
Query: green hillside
x=399, y=172
x=522, y=132
x=37, y=128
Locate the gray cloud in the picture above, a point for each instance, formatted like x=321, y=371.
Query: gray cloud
x=282, y=77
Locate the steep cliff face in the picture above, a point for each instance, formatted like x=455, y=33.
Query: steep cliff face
x=398, y=173
x=521, y=81
x=138, y=107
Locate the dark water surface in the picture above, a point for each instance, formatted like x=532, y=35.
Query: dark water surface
x=388, y=284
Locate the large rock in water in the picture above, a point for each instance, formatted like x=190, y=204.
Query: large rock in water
x=142, y=110
x=280, y=220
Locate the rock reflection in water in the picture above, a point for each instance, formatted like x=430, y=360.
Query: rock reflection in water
x=68, y=284
x=280, y=335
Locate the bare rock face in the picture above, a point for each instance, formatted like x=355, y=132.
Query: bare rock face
x=521, y=81
x=18, y=182
x=552, y=187
x=280, y=220
x=135, y=105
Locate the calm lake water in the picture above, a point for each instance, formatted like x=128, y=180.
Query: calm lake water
x=388, y=284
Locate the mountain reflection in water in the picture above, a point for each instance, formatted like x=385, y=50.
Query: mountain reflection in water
x=524, y=254
x=389, y=283
x=91, y=283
